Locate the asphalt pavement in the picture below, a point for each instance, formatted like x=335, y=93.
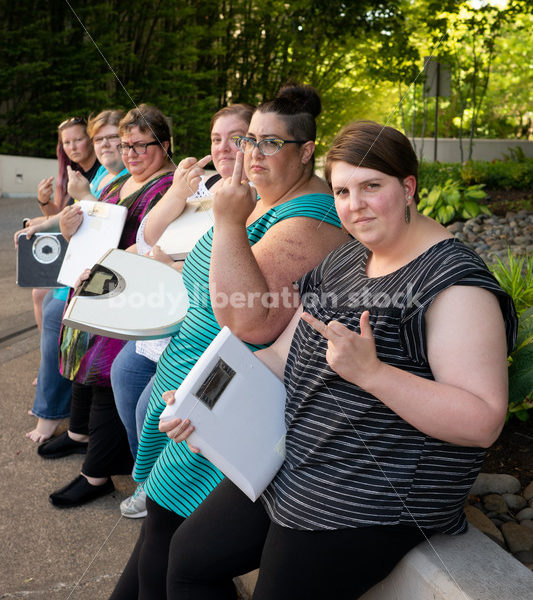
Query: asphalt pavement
x=45, y=553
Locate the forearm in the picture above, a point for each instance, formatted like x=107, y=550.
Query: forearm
x=162, y=214
x=441, y=410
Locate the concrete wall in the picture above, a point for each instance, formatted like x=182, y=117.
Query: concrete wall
x=448, y=149
x=20, y=175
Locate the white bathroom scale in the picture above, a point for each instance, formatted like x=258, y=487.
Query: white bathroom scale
x=39, y=259
x=129, y=297
x=180, y=237
x=100, y=230
x=237, y=406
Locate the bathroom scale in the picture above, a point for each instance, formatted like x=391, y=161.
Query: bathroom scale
x=237, y=406
x=180, y=237
x=39, y=259
x=100, y=230
x=129, y=297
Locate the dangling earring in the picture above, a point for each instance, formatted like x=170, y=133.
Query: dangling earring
x=407, y=211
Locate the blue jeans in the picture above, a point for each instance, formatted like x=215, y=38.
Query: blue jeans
x=52, y=395
x=132, y=378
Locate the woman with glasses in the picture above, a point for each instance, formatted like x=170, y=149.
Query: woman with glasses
x=95, y=427
x=133, y=369
x=263, y=239
x=396, y=378
x=52, y=396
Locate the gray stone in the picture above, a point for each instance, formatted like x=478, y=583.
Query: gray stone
x=480, y=521
x=455, y=227
x=495, y=503
x=495, y=483
x=527, y=523
x=517, y=537
x=528, y=491
x=525, y=513
x=514, y=501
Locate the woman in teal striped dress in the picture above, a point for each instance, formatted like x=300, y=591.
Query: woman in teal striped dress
x=239, y=274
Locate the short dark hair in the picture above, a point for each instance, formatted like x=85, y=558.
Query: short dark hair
x=298, y=106
x=148, y=119
x=242, y=111
x=373, y=146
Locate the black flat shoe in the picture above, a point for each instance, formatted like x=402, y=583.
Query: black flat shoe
x=79, y=491
x=60, y=446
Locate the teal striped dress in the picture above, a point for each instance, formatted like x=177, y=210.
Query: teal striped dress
x=173, y=476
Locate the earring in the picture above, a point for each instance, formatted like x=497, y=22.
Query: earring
x=407, y=211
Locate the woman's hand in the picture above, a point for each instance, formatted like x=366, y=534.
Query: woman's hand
x=157, y=254
x=351, y=355
x=188, y=174
x=176, y=429
x=235, y=200
x=78, y=185
x=32, y=227
x=44, y=190
x=83, y=277
x=70, y=219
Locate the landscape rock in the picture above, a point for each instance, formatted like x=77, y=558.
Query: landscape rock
x=525, y=557
x=525, y=513
x=514, y=501
x=517, y=537
x=480, y=521
x=527, y=523
x=528, y=492
x=496, y=503
x=495, y=483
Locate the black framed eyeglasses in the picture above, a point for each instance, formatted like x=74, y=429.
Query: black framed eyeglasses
x=267, y=147
x=138, y=147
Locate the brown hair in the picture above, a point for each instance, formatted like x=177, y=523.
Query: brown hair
x=148, y=119
x=373, y=146
x=242, y=111
x=106, y=117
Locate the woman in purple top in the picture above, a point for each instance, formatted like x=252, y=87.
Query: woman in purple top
x=95, y=426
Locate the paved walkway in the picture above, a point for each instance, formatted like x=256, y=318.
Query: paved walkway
x=45, y=553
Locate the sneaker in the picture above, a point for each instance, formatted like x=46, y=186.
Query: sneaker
x=134, y=507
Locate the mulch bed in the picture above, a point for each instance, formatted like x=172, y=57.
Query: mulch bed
x=512, y=453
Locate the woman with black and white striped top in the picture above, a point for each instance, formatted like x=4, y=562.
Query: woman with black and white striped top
x=396, y=377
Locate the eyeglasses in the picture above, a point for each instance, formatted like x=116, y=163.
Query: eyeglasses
x=267, y=147
x=72, y=121
x=105, y=138
x=138, y=147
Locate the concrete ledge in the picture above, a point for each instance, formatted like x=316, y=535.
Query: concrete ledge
x=461, y=567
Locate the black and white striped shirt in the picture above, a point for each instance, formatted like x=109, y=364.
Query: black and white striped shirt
x=351, y=461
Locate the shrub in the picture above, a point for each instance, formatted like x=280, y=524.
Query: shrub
x=452, y=201
x=516, y=278
x=516, y=174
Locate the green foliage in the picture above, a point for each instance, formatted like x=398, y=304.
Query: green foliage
x=521, y=369
x=499, y=174
x=516, y=278
x=451, y=202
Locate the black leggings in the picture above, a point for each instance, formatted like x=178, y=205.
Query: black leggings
x=144, y=577
x=228, y=535
x=93, y=412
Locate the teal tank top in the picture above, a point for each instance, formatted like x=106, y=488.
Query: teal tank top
x=173, y=476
